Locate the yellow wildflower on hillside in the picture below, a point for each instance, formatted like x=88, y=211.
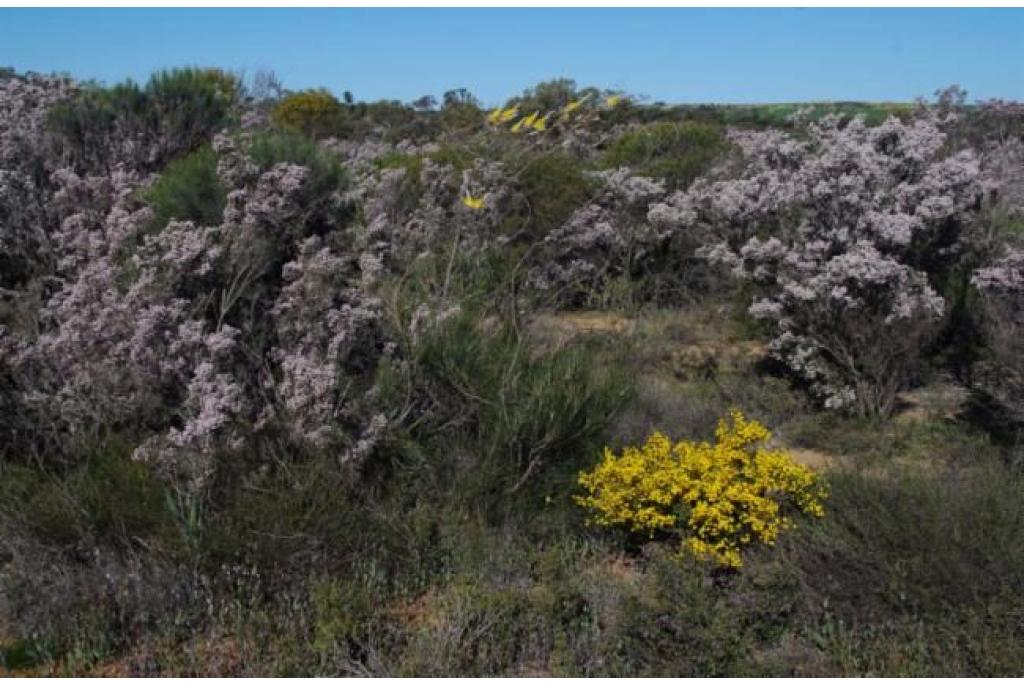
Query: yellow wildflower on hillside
x=719, y=498
x=474, y=203
x=612, y=100
x=541, y=124
x=574, y=105
x=508, y=115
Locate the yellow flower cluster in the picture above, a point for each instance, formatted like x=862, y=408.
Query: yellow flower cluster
x=538, y=123
x=720, y=498
x=474, y=203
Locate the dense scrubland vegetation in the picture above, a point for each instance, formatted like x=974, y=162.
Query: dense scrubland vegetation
x=293, y=384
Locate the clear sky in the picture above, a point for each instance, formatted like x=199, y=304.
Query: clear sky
x=673, y=55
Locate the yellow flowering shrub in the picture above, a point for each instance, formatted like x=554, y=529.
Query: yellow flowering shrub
x=316, y=113
x=720, y=498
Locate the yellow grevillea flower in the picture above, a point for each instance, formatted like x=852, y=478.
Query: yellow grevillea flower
x=518, y=126
x=541, y=124
x=474, y=203
x=528, y=121
x=494, y=118
x=508, y=115
x=574, y=105
x=612, y=100
x=719, y=498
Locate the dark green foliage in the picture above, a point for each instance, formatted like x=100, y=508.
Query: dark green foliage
x=554, y=185
x=106, y=497
x=516, y=414
x=188, y=190
x=679, y=153
x=283, y=515
x=936, y=545
x=176, y=111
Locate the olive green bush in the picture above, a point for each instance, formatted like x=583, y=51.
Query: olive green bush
x=188, y=190
x=676, y=152
x=315, y=113
x=177, y=111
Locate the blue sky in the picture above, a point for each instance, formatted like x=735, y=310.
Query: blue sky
x=673, y=55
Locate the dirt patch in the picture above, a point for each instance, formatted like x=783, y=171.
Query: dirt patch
x=942, y=400
x=711, y=357
x=557, y=329
x=815, y=460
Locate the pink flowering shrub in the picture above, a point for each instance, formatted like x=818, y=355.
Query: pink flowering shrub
x=861, y=220
x=1001, y=377
x=197, y=339
x=605, y=239
x=24, y=243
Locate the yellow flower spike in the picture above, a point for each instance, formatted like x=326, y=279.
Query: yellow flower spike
x=574, y=105
x=528, y=121
x=518, y=126
x=541, y=124
x=612, y=101
x=474, y=203
x=494, y=118
x=508, y=115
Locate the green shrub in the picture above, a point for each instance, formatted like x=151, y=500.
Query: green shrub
x=342, y=611
x=105, y=497
x=677, y=152
x=188, y=190
x=176, y=112
x=326, y=172
x=511, y=413
x=555, y=185
x=460, y=112
x=190, y=105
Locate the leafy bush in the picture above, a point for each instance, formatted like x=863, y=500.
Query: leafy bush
x=721, y=497
x=188, y=190
x=315, y=113
x=679, y=153
x=174, y=113
x=554, y=184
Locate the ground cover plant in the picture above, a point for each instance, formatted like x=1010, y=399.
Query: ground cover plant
x=296, y=384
